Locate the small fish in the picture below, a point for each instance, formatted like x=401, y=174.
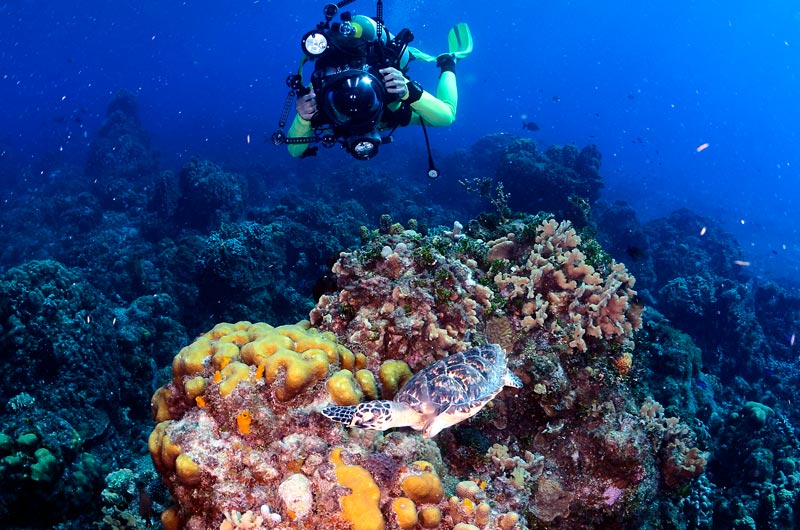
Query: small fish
x=741, y=263
x=530, y=125
x=702, y=147
x=791, y=340
x=146, y=510
x=556, y=99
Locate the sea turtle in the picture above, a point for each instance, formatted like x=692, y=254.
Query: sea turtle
x=440, y=395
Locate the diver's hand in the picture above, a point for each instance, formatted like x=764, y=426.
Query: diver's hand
x=395, y=82
x=307, y=106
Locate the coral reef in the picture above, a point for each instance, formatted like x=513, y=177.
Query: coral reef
x=80, y=367
x=120, y=154
x=401, y=298
x=215, y=467
x=548, y=284
x=405, y=300
x=208, y=195
x=237, y=265
x=43, y=462
x=107, y=269
x=566, y=181
x=701, y=288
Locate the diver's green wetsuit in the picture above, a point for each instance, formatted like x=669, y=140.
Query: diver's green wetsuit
x=437, y=111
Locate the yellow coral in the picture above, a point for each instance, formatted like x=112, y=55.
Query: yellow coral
x=468, y=506
x=231, y=375
x=424, y=487
x=482, y=514
x=154, y=444
x=430, y=517
x=227, y=329
x=300, y=370
x=238, y=337
x=159, y=404
x=406, y=512
x=258, y=330
x=343, y=388
x=168, y=452
x=187, y=470
x=170, y=519
x=366, y=380
x=224, y=352
x=258, y=351
x=393, y=375
x=194, y=388
x=361, y=507
x=191, y=359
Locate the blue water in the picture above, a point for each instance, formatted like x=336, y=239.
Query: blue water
x=648, y=84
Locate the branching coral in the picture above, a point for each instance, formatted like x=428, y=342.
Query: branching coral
x=679, y=457
x=552, y=287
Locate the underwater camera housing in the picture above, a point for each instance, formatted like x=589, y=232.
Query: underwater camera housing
x=346, y=79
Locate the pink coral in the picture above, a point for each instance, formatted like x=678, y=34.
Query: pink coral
x=408, y=301
x=555, y=289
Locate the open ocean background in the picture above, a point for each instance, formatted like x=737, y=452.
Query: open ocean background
x=647, y=83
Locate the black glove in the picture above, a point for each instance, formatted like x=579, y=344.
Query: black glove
x=414, y=92
x=447, y=63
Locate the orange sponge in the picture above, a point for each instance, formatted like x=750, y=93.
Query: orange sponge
x=406, y=512
x=361, y=507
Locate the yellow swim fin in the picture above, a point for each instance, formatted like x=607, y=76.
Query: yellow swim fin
x=459, y=43
x=459, y=40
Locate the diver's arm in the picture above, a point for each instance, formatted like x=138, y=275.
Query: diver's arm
x=301, y=128
x=306, y=106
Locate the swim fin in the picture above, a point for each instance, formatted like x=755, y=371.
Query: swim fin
x=459, y=42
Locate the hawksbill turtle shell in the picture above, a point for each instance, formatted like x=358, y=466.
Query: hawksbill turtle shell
x=438, y=396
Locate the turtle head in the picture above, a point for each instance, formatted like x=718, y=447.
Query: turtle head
x=376, y=415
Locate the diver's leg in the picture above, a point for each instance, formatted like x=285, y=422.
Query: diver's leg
x=447, y=91
x=438, y=111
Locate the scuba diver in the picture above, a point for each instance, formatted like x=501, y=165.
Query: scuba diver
x=359, y=86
